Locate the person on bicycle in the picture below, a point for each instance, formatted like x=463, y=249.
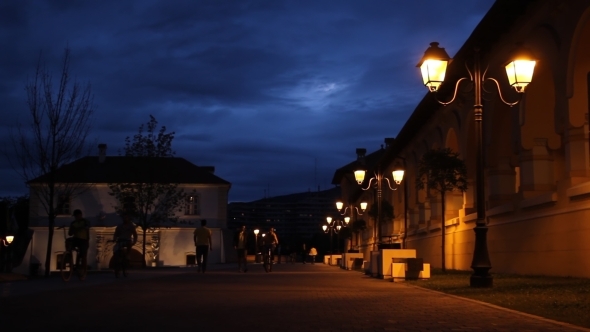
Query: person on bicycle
x=80, y=234
x=271, y=241
x=125, y=235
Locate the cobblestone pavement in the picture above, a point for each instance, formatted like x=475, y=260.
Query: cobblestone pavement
x=294, y=297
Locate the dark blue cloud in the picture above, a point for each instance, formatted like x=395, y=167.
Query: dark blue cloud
x=275, y=94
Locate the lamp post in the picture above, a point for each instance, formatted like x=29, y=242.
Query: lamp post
x=359, y=175
x=405, y=205
x=256, y=254
x=520, y=73
x=6, y=259
x=331, y=227
x=340, y=205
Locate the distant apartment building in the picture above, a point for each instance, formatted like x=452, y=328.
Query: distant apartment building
x=296, y=217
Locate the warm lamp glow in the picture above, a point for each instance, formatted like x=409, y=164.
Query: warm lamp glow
x=339, y=205
x=256, y=231
x=324, y=227
x=364, y=206
x=329, y=220
x=347, y=220
x=398, y=175
x=338, y=227
x=433, y=66
x=263, y=234
x=520, y=73
x=359, y=176
x=9, y=238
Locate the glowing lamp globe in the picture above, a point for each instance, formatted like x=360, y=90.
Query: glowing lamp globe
x=364, y=206
x=520, y=69
x=433, y=66
x=398, y=175
x=359, y=176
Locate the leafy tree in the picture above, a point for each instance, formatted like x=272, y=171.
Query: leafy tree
x=60, y=118
x=356, y=227
x=150, y=203
x=386, y=211
x=442, y=170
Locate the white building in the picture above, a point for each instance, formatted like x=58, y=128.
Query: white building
x=170, y=244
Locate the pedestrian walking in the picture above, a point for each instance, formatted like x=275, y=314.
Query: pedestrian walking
x=303, y=252
x=80, y=235
x=202, y=238
x=241, y=246
x=312, y=253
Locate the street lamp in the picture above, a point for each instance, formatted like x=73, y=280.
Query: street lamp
x=340, y=205
x=332, y=227
x=520, y=73
x=6, y=257
x=359, y=175
x=9, y=238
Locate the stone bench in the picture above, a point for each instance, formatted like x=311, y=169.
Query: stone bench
x=332, y=259
x=348, y=259
x=381, y=260
x=409, y=269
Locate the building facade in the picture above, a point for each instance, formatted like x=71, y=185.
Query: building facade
x=536, y=154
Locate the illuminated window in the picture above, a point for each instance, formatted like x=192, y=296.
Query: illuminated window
x=63, y=205
x=192, y=206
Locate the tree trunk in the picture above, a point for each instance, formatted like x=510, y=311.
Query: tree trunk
x=49, y=245
x=143, y=264
x=443, y=231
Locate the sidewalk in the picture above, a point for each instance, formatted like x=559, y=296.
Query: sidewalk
x=294, y=297
x=8, y=277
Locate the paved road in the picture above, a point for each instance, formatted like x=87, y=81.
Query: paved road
x=294, y=297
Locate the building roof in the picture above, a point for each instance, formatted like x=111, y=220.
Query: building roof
x=371, y=163
x=134, y=170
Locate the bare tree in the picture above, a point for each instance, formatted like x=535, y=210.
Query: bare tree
x=60, y=120
x=442, y=170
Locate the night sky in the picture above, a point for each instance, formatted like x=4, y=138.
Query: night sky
x=275, y=94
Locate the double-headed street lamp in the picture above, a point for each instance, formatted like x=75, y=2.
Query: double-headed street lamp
x=520, y=73
x=352, y=208
x=359, y=175
x=332, y=227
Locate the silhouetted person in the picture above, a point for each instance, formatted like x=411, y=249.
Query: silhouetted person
x=125, y=235
x=80, y=235
x=303, y=252
x=312, y=253
x=202, y=237
x=270, y=241
x=241, y=246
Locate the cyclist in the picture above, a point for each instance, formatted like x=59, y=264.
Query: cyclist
x=270, y=241
x=80, y=234
x=125, y=235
